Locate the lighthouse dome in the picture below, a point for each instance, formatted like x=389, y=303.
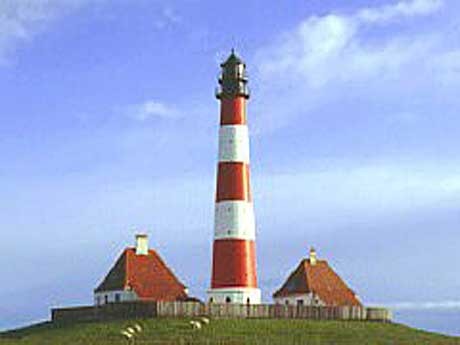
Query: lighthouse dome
x=232, y=60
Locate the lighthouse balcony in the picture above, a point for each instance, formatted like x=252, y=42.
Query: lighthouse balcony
x=233, y=91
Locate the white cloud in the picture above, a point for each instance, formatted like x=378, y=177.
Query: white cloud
x=400, y=9
x=151, y=109
x=325, y=56
x=440, y=305
x=340, y=194
x=332, y=46
x=20, y=20
x=168, y=16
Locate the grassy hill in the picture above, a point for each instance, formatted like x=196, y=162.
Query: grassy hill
x=226, y=332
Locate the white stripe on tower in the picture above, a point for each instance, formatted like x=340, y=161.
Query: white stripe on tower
x=234, y=219
x=234, y=143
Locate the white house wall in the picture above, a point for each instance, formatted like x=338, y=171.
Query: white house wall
x=308, y=300
x=125, y=296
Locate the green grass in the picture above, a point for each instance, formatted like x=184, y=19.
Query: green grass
x=226, y=332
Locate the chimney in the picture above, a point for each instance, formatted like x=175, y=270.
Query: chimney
x=142, y=244
x=312, y=256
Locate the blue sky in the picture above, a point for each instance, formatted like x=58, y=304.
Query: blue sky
x=109, y=126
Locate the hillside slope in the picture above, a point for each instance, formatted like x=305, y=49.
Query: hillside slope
x=231, y=332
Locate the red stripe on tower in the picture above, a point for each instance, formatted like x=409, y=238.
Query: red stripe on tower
x=234, y=264
x=233, y=181
x=234, y=275
x=233, y=111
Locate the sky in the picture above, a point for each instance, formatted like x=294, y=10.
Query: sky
x=108, y=127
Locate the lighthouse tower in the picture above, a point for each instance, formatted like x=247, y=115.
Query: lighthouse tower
x=234, y=276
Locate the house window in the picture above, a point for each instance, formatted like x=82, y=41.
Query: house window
x=98, y=300
x=287, y=302
x=211, y=300
x=117, y=297
x=228, y=300
x=248, y=301
x=300, y=302
x=106, y=299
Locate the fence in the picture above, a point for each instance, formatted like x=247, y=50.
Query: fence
x=150, y=309
x=110, y=311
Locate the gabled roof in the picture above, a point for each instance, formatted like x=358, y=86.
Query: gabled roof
x=147, y=275
x=321, y=280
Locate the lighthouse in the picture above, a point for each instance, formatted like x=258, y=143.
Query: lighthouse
x=234, y=274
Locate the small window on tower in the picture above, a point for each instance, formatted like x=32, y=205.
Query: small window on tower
x=241, y=71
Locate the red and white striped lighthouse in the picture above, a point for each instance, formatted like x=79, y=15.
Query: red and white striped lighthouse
x=234, y=275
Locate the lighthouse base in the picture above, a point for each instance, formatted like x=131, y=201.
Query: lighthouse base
x=234, y=295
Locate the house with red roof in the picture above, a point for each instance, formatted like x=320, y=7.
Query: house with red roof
x=140, y=274
x=314, y=283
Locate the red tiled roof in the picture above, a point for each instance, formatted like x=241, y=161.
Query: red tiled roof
x=321, y=280
x=147, y=275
